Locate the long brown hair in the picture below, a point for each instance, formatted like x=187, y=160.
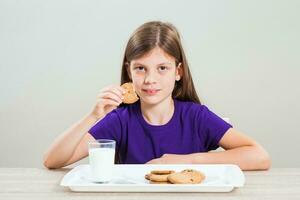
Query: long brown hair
x=164, y=35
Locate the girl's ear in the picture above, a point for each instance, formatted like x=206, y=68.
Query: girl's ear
x=178, y=72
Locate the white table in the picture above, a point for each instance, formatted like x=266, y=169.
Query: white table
x=34, y=183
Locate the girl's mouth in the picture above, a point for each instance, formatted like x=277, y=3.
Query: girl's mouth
x=150, y=91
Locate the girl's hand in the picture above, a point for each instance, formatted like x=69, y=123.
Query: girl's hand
x=108, y=99
x=173, y=159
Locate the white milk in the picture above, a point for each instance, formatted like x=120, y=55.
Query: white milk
x=102, y=163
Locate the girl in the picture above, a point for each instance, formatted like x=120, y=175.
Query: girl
x=168, y=124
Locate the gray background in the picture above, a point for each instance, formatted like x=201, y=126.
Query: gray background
x=56, y=55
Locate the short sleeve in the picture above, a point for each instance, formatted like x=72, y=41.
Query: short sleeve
x=107, y=128
x=212, y=128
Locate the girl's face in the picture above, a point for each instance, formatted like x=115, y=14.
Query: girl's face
x=154, y=76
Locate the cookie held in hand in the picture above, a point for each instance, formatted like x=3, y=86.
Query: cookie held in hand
x=130, y=96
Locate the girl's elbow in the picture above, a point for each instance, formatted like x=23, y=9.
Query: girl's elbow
x=265, y=161
x=48, y=164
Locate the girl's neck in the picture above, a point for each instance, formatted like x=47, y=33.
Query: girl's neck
x=158, y=114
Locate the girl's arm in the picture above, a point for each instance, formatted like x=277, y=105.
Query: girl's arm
x=239, y=149
x=71, y=145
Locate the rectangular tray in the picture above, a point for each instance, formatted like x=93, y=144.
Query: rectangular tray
x=130, y=178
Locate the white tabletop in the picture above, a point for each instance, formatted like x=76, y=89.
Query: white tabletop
x=34, y=183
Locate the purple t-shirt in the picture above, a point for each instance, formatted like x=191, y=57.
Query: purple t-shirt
x=192, y=128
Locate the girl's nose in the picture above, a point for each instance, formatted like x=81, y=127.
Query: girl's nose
x=149, y=78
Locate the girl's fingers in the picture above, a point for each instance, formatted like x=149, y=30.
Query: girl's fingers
x=109, y=102
x=108, y=88
x=122, y=90
x=117, y=92
x=112, y=96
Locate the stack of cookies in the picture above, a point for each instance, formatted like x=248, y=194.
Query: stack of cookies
x=187, y=176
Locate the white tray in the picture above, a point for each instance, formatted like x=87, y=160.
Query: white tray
x=130, y=178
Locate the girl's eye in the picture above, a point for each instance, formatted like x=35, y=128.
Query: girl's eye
x=140, y=68
x=163, y=68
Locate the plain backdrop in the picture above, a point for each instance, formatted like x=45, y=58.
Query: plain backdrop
x=56, y=55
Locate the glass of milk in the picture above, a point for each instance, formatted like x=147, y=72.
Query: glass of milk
x=101, y=159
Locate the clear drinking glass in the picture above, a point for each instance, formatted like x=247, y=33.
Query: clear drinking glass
x=101, y=159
